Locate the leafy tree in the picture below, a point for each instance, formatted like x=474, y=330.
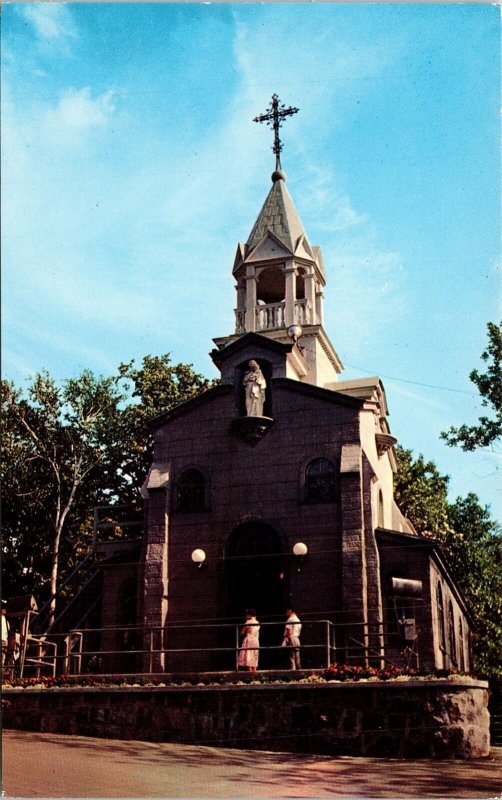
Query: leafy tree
x=421, y=492
x=70, y=447
x=489, y=385
x=474, y=549
x=62, y=442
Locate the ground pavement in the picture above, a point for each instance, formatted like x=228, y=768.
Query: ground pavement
x=55, y=765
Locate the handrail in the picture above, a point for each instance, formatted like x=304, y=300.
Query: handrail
x=177, y=648
x=68, y=578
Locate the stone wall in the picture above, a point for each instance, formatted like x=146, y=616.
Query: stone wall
x=417, y=719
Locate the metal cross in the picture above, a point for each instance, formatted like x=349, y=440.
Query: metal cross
x=274, y=117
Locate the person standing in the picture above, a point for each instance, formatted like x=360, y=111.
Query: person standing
x=291, y=640
x=5, y=631
x=250, y=645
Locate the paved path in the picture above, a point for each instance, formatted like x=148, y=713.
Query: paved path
x=54, y=765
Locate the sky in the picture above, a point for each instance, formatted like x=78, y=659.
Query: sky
x=132, y=168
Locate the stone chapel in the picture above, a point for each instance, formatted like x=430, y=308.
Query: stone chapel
x=274, y=490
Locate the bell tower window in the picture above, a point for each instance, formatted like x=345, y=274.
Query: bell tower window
x=300, y=284
x=440, y=617
x=271, y=286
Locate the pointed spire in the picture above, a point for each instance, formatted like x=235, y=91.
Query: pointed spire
x=278, y=215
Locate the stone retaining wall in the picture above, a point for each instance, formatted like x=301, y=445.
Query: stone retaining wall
x=441, y=719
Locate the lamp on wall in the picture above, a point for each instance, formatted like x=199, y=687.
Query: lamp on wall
x=294, y=332
x=300, y=551
x=199, y=557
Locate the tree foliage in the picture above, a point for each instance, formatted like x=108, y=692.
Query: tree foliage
x=61, y=440
x=489, y=385
x=471, y=541
x=421, y=492
x=153, y=388
x=71, y=446
x=474, y=550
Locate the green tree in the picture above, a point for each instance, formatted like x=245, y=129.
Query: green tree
x=489, y=385
x=421, y=493
x=474, y=549
x=62, y=439
x=69, y=447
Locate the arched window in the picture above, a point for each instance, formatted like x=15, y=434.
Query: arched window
x=452, y=639
x=440, y=613
x=380, y=509
x=192, y=491
x=320, y=481
x=461, y=646
x=300, y=284
x=271, y=285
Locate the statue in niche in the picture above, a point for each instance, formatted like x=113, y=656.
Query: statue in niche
x=254, y=385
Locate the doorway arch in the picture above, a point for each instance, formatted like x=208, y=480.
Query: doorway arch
x=257, y=577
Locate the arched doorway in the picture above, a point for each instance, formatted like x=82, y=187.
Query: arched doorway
x=257, y=578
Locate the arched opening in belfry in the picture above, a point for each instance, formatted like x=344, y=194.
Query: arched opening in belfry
x=271, y=286
x=300, y=284
x=257, y=578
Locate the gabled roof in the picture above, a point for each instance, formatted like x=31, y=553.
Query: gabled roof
x=270, y=246
x=310, y=390
x=222, y=389
x=244, y=341
x=279, y=216
x=181, y=409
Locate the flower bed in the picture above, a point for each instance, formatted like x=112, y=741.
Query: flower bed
x=334, y=673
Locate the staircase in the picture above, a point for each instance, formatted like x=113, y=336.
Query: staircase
x=495, y=709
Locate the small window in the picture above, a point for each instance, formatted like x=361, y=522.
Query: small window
x=461, y=646
x=380, y=509
x=192, y=491
x=440, y=613
x=452, y=641
x=320, y=481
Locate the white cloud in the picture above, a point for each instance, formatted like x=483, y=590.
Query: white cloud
x=345, y=216
x=78, y=111
x=52, y=21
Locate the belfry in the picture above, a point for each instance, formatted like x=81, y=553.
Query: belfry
x=280, y=279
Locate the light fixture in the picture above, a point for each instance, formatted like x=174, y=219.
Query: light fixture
x=300, y=551
x=198, y=557
x=294, y=332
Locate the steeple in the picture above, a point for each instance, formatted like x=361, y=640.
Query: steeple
x=280, y=276
x=279, y=216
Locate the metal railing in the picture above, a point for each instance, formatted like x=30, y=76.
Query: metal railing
x=209, y=647
x=172, y=648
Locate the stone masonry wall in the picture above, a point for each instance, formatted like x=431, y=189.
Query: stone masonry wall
x=417, y=719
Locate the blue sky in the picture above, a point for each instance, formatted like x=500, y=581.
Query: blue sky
x=132, y=167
